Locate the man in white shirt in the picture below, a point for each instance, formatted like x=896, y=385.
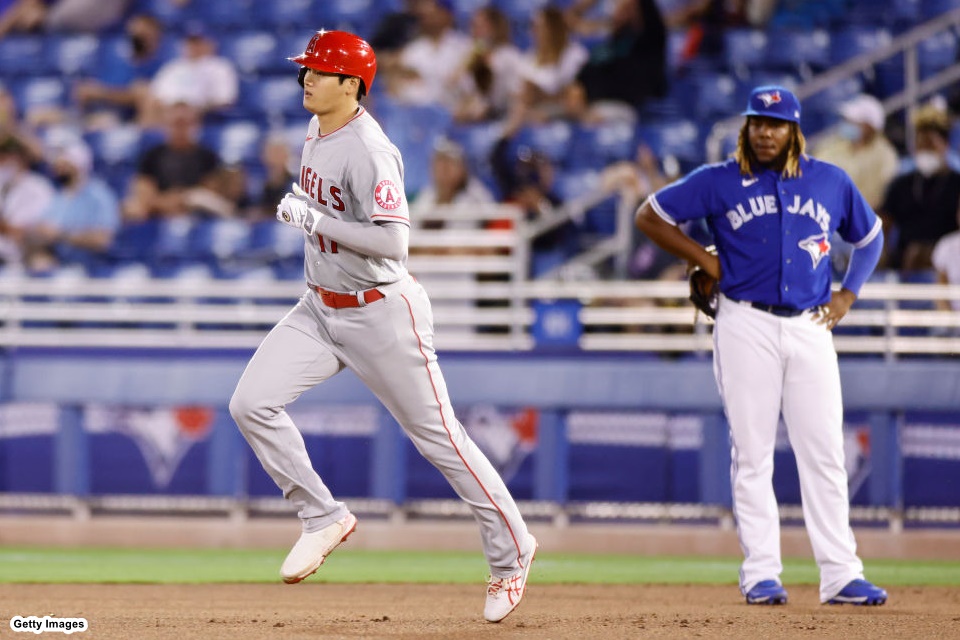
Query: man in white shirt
x=24, y=196
x=197, y=77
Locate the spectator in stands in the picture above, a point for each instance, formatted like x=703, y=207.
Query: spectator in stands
x=921, y=206
x=12, y=127
x=608, y=86
x=24, y=197
x=427, y=67
x=61, y=15
x=860, y=148
x=178, y=176
x=121, y=89
x=547, y=69
x=946, y=262
x=197, y=76
x=489, y=81
x=276, y=158
x=79, y=223
x=395, y=30
x=451, y=185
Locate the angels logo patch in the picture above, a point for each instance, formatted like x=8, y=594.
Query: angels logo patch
x=388, y=195
x=817, y=246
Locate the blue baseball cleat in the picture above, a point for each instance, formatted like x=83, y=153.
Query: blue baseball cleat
x=767, y=592
x=859, y=592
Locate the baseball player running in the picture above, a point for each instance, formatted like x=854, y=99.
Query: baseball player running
x=773, y=210
x=363, y=311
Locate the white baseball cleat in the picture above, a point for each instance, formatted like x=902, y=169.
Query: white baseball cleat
x=313, y=548
x=504, y=594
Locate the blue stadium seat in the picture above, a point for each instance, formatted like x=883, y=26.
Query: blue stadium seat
x=717, y=96
x=272, y=242
x=521, y=11
x=937, y=52
x=134, y=242
x=235, y=142
x=826, y=102
x=172, y=246
x=358, y=16
x=599, y=145
x=681, y=139
x=744, y=49
x=796, y=49
x=932, y=8
x=283, y=13
x=255, y=52
x=477, y=140
x=39, y=92
x=414, y=129
x=278, y=96
x=218, y=241
x=552, y=139
x=172, y=14
x=854, y=41
x=464, y=9
x=74, y=54
x=221, y=15
x=116, y=145
x=23, y=56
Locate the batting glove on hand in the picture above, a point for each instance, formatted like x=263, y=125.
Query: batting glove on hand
x=296, y=210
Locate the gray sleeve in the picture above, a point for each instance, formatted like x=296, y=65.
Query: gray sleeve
x=388, y=240
x=378, y=187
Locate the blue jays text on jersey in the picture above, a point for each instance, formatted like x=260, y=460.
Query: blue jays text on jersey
x=772, y=233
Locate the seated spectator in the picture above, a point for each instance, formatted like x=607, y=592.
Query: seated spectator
x=25, y=196
x=12, y=127
x=489, y=81
x=276, y=157
x=608, y=86
x=197, y=76
x=395, y=30
x=121, y=90
x=89, y=16
x=81, y=220
x=451, y=185
x=920, y=207
x=427, y=67
x=946, y=262
x=178, y=176
x=860, y=148
x=547, y=68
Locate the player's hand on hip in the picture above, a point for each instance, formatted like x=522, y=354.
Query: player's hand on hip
x=833, y=312
x=296, y=210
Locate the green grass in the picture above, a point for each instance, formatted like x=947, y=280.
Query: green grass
x=43, y=565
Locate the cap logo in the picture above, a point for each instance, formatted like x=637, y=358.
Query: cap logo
x=770, y=98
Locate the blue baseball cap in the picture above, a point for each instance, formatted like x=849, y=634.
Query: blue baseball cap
x=773, y=101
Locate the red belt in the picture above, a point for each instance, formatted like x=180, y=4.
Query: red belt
x=337, y=300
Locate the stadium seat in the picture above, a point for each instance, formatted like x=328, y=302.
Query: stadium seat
x=173, y=246
x=854, y=41
x=680, y=139
x=134, y=242
x=116, y=145
x=283, y=13
x=744, y=49
x=933, y=8
x=717, y=96
x=223, y=15
x=826, y=102
x=519, y=12
x=74, y=54
x=172, y=14
x=598, y=146
x=552, y=139
x=235, y=142
x=937, y=52
x=796, y=49
x=272, y=242
x=255, y=52
x=23, y=56
x=278, y=96
x=40, y=92
x=358, y=16
x=218, y=241
x=414, y=129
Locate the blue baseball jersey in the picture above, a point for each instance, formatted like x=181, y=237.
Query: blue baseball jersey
x=772, y=233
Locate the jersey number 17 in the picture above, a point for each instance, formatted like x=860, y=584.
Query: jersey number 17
x=323, y=245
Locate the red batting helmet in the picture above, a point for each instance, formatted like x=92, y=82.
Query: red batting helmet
x=340, y=52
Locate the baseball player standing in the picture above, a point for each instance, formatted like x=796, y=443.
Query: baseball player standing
x=363, y=311
x=773, y=210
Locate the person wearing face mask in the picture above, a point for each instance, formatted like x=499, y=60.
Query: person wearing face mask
x=24, y=197
x=121, y=88
x=80, y=221
x=858, y=146
x=920, y=207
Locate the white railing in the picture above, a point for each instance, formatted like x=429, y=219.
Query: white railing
x=889, y=319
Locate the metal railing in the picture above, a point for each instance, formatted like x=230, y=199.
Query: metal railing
x=890, y=319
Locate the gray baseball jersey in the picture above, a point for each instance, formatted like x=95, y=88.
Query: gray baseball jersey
x=355, y=174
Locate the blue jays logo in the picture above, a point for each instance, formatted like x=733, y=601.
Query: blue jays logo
x=817, y=246
x=506, y=437
x=769, y=98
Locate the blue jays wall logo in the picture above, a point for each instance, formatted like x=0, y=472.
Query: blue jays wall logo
x=506, y=438
x=770, y=98
x=817, y=246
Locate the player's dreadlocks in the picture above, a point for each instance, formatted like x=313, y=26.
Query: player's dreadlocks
x=796, y=147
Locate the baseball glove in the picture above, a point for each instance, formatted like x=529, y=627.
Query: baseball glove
x=704, y=292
